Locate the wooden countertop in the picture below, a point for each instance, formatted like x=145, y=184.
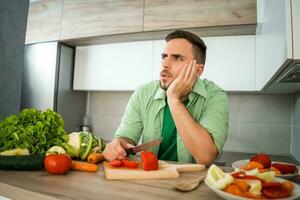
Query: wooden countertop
x=85, y=185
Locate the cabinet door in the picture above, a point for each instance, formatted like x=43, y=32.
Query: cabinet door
x=170, y=14
x=101, y=17
x=43, y=22
x=119, y=66
x=271, y=51
x=230, y=61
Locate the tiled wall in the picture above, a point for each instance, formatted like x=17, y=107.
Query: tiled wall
x=295, y=147
x=258, y=122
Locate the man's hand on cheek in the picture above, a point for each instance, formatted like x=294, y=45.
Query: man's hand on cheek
x=184, y=83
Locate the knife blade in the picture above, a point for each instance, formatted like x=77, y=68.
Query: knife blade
x=142, y=147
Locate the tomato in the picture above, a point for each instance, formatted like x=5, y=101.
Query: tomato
x=149, y=161
x=276, y=193
x=116, y=163
x=57, y=164
x=285, y=168
x=130, y=163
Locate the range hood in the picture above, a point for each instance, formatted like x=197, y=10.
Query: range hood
x=292, y=75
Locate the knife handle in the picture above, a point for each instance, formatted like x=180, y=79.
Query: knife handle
x=130, y=151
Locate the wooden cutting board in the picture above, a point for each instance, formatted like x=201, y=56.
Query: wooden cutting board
x=165, y=171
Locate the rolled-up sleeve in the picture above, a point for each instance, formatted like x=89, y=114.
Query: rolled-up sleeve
x=131, y=125
x=215, y=117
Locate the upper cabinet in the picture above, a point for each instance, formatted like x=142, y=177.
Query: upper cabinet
x=118, y=66
x=44, y=20
x=172, y=14
x=86, y=22
x=101, y=17
x=230, y=63
x=278, y=49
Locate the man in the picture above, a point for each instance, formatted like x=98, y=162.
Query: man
x=190, y=114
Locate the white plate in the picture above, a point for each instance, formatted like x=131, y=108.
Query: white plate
x=226, y=195
x=239, y=163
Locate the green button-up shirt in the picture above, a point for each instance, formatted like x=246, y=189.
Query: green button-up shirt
x=143, y=118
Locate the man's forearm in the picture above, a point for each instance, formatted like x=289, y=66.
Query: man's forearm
x=195, y=137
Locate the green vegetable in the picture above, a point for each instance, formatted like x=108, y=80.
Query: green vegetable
x=31, y=162
x=33, y=130
x=71, y=151
x=86, y=144
x=15, y=152
x=81, y=144
x=55, y=150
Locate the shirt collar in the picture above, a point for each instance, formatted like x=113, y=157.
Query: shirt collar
x=198, y=88
x=160, y=93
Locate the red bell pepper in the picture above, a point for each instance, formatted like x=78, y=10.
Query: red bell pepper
x=116, y=163
x=149, y=161
x=130, y=163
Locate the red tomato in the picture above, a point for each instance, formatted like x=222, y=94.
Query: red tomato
x=285, y=168
x=116, y=163
x=57, y=164
x=130, y=163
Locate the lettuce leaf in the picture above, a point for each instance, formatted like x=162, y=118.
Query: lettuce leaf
x=32, y=129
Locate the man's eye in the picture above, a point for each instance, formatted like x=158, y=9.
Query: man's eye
x=179, y=59
x=163, y=57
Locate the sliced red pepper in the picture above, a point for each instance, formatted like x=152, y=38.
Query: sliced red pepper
x=149, y=161
x=285, y=168
x=238, y=174
x=130, y=163
x=242, y=175
x=116, y=163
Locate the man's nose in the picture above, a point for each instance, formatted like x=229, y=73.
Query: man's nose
x=166, y=63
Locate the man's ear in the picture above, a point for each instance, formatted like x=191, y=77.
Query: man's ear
x=200, y=70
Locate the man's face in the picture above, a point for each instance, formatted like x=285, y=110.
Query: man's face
x=177, y=53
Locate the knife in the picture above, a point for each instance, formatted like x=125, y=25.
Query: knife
x=142, y=147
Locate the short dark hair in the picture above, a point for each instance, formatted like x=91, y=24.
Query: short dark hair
x=199, y=47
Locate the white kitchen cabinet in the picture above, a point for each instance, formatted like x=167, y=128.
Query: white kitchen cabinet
x=230, y=61
x=278, y=49
x=118, y=66
x=271, y=43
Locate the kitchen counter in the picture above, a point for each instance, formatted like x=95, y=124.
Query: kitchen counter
x=85, y=185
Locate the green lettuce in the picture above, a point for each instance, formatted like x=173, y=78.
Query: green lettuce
x=34, y=130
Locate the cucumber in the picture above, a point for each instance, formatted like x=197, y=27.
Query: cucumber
x=28, y=162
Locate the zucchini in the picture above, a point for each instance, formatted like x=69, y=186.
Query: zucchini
x=25, y=162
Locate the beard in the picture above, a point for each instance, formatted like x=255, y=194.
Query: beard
x=164, y=84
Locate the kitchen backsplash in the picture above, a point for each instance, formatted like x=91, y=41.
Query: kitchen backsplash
x=257, y=122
